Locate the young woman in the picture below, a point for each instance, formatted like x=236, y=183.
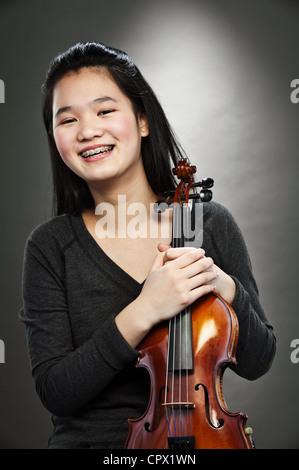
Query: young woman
x=92, y=292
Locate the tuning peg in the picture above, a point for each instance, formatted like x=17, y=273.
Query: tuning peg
x=206, y=195
x=160, y=207
x=204, y=183
x=207, y=182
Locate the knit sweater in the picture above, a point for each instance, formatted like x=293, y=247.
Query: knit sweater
x=83, y=368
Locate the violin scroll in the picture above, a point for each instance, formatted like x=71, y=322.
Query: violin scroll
x=185, y=172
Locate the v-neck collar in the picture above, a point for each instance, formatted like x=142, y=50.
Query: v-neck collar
x=101, y=259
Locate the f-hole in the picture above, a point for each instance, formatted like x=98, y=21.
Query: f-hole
x=207, y=408
x=147, y=425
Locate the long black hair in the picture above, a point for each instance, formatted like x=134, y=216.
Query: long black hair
x=158, y=149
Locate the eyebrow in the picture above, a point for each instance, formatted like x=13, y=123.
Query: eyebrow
x=97, y=100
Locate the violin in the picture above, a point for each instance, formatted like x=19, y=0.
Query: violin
x=186, y=358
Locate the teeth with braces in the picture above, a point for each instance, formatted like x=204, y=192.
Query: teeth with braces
x=96, y=151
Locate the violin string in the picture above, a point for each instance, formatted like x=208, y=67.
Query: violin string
x=189, y=337
x=180, y=373
x=182, y=218
x=178, y=361
x=174, y=324
x=170, y=334
x=181, y=319
x=187, y=376
x=187, y=225
x=166, y=378
x=185, y=319
x=173, y=369
x=186, y=335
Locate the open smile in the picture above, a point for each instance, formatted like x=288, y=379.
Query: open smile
x=96, y=152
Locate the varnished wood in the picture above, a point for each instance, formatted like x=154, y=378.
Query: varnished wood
x=215, y=334
x=187, y=409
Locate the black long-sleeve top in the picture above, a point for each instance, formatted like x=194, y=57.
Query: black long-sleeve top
x=84, y=370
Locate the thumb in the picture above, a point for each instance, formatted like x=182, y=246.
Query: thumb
x=162, y=247
x=158, y=262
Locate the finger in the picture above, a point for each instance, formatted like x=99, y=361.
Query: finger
x=200, y=292
x=174, y=253
x=206, y=277
x=185, y=258
x=201, y=265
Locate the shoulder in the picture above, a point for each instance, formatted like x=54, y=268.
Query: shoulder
x=221, y=233
x=56, y=231
x=215, y=215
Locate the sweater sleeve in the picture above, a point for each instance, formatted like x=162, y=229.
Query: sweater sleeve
x=256, y=344
x=66, y=378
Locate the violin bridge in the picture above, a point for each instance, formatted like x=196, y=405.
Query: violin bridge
x=179, y=405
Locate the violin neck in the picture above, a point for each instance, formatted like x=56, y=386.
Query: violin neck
x=183, y=224
x=180, y=355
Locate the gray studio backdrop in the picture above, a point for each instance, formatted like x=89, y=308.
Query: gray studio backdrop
x=223, y=71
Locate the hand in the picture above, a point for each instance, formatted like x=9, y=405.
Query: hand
x=223, y=283
x=178, y=277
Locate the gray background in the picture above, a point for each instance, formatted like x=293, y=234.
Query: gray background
x=222, y=70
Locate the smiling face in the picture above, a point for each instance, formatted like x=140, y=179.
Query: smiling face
x=95, y=128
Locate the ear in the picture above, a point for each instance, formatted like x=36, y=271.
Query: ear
x=143, y=124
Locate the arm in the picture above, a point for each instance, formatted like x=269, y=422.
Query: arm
x=257, y=343
x=68, y=376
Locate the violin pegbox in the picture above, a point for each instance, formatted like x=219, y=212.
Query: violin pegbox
x=185, y=172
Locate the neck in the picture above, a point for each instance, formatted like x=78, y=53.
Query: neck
x=117, y=203
x=133, y=185
x=136, y=191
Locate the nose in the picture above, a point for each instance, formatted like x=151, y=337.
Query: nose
x=89, y=128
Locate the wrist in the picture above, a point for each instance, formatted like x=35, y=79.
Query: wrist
x=134, y=322
x=226, y=287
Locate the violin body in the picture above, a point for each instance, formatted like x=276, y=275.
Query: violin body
x=200, y=421
x=186, y=358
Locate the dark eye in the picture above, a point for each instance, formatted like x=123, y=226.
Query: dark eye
x=106, y=111
x=67, y=121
